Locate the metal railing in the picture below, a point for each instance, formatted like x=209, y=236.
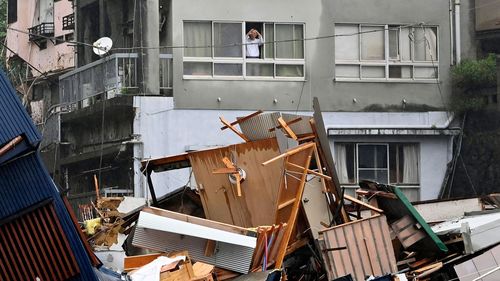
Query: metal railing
x=43, y=29
x=111, y=76
x=68, y=22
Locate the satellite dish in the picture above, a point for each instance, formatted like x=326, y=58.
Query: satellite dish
x=102, y=46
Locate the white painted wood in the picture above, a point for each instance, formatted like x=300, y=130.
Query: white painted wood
x=151, y=221
x=442, y=211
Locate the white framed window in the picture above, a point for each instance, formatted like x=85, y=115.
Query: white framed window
x=366, y=52
x=216, y=49
x=389, y=163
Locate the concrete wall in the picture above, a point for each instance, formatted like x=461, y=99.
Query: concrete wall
x=163, y=130
x=54, y=57
x=319, y=18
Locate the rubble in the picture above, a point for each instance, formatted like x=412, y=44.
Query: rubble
x=273, y=209
x=270, y=208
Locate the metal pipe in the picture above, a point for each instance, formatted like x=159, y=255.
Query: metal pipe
x=458, y=51
x=452, y=36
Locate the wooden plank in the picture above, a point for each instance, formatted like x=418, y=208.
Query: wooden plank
x=295, y=120
x=258, y=202
x=210, y=248
x=240, y=134
x=196, y=220
x=166, y=163
x=242, y=119
x=285, y=204
x=311, y=171
x=326, y=155
x=292, y=187
x=134, y=262
x=289, y=153
x=287, y=129
x=359, y=202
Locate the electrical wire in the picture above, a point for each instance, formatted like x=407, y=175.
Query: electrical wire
x=213, y=45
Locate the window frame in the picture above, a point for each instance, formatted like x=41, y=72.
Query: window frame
x=351, y=187
x=387, y=62
x=244, y=60
x=356, y=161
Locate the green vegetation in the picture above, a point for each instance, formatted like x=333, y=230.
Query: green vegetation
x=473, y=81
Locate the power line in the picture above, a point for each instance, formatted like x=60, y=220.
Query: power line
x=220, y=46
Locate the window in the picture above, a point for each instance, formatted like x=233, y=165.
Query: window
x=11, y=11
x=389, y=163
x=386, y=52
x=217, y=50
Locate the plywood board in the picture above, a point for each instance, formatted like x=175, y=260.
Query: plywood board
x=315, y=205
x=220, y=202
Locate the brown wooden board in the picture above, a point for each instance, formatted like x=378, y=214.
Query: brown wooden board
x=327, y=159
x=219, y=197
x=360, y=248
x=291, y=188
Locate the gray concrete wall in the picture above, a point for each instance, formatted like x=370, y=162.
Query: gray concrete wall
x=163, y=130
x=319, y=18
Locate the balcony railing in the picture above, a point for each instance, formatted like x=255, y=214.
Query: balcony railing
x=38, y=32
x=68, y=22
x=113, y=75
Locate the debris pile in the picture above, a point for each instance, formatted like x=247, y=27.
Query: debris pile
x=272, y=208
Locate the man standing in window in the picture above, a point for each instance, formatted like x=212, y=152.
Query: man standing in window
x=253, y=41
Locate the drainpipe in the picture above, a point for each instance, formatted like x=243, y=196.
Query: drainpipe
x=458, y=50
x=146, y=37
x=452, y=35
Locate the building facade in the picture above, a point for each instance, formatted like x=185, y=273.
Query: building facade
x=381, y=73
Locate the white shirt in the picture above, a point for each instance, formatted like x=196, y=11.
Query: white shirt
x=253, y=47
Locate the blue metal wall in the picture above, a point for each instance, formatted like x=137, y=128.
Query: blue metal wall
x=25, y=181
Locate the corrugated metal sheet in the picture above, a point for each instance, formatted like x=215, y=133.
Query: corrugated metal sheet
x=227, y=256
x=34, y=245
x=257, y=128
x=360, y=248
x=14, y=120
x=25, y=182
x=166, y=231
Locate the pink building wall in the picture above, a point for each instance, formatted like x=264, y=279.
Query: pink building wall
x=55, y=57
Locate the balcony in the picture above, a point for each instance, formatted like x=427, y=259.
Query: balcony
x=108, y=77
x=38, y=32
x=68, y=22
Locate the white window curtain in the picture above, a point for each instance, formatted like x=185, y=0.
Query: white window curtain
x=197, y=34
x=293, y=46
x=410, y=165
x=341, y=163
x=227, y=40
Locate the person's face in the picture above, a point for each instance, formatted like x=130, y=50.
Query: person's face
x=253, y=34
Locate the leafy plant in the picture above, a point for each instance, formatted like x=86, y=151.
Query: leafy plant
x=471, y=80
x=471, y=74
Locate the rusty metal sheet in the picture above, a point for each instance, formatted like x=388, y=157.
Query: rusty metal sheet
x=360, y=248
x=34, y=245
